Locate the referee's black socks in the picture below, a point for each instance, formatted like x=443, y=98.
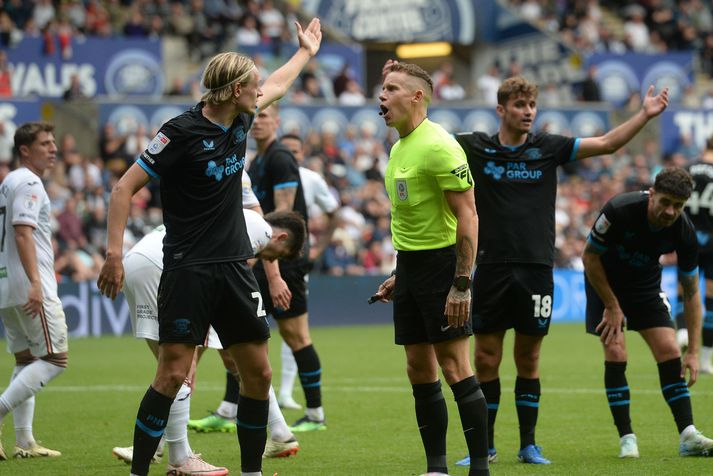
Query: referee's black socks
x=150, y=424
x=527, y=402
x=675, y=392
x=473, y=412
x=618, y=395
x=432, y=419
x=310, y=372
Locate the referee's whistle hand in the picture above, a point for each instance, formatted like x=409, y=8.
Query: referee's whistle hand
x=386, y=289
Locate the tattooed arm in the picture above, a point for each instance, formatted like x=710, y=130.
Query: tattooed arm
x=462, y=205
x=692, y=312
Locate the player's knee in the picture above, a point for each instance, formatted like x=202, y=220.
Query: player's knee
x=58, y=360
x=486, y=358
x=21, y=360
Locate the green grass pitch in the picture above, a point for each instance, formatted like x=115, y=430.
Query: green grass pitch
x=371, y=423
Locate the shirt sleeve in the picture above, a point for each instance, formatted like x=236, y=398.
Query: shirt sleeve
x=27, y=204
x=164, y=151
x=605, y=230
x=449, y=166
x=687, y=249
x=323, y=197
x=249, y=198
x=563, y=148
x=284, y=170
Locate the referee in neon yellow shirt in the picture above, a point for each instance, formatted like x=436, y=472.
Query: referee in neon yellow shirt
x=434, y=227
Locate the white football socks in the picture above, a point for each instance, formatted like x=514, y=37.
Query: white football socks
x=176, y=428
x=288, y=371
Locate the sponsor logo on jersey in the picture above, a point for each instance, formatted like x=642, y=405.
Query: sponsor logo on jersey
x=401, y=189
x=208, y=144
x=158, y=143
x=463, y=173
x=495, y=170
x=602, y=224
x=214, y=170
x=703, y=238
x=488, y=150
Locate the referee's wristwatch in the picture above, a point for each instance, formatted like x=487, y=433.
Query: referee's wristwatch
x=461, y=283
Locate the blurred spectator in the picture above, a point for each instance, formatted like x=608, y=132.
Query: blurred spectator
x=112, y=150
x=272, y=24
x=590, y=87
x=636, y=31
x=135, y=25
x=136, y=142
x=339, y=83
x=449, y=90
x=74, y=91
x=488, y=85
x=43, y=13
x=352, y=95
x=247, y=33
x=6, y=143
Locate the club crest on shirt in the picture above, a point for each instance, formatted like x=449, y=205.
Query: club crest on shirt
x=239, y=135
x=401, y=189
x=602, y=224
x=158, y=143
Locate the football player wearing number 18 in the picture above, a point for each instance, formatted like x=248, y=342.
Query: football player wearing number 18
x=513, y=283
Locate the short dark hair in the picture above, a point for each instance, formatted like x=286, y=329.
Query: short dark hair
x=294, y=224
x=291, y=136
x=27, y=133
x=413, y=70
x=674, y=181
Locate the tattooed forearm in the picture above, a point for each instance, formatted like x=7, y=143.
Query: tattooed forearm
x=465, y=254
x=690, y=286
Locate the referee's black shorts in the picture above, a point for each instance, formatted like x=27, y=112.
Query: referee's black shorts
x=423, y=280
x=224, y=295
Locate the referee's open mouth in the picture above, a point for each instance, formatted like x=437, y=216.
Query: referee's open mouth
x=383, y=110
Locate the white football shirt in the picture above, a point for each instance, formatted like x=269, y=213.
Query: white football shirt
x=151, y=245
x=24, y=201
x=316, y=191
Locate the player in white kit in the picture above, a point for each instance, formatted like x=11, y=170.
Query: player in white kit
x=31, y=311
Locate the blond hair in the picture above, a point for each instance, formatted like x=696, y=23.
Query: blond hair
x=417, y=72
x=514, y=87
x=224, y=70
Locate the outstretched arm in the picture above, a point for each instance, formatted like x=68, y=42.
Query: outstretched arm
x=277, y=84
x=620, y=135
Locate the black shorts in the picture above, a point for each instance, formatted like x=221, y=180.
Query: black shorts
x=512, y=296
x=642, y=310
x=423, y=280
x=224, y=295
x=296, y=279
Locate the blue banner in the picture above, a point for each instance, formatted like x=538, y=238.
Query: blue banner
x=333, y=302
x=399, y=20
x=619, y=76
x=114, y=67
x=301, y=119
x=16, y=112
x=677, y=123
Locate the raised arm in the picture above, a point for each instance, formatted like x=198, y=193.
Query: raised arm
x=277, y=84
x=111, y=277
x=462, y=204
x=620, y=135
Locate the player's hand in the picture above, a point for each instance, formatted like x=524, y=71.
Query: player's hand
x=111, y=277
x=311, y=37
x=655, y=105
x=33, y=306
x=385, y=68
x=610, y=327
x=457, y=307
x=280, y=293
x=386, y=289
x=691, y=362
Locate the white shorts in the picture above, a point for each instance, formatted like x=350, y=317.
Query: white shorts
x=42, y=335
x=141, y=279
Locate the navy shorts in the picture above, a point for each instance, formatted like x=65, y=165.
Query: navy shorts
x=224, y=295
x=512, y=296
x=642, y=310
x=296, y=279
x=423, y=280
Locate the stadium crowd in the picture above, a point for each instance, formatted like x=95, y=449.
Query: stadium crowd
x=352, y=160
